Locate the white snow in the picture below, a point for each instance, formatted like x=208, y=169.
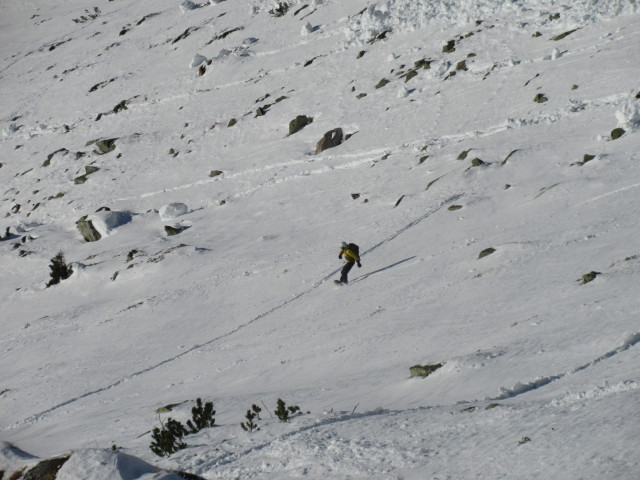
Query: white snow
x=540, y=373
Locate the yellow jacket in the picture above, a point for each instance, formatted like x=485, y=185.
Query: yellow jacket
x=349, y=255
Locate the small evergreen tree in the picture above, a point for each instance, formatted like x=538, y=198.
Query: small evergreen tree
x=168, y=440
x=250, y=425
x=282, y=412
x=59, y=269
x=203, y=417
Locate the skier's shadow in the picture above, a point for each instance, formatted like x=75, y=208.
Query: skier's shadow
x=367, y=275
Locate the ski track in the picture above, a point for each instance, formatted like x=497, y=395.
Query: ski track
x=522, y=388
x=42, y=415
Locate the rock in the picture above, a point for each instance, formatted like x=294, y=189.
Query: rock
x=172, y=230
x=355, y=196
x=588, y=277
x=476, y=162
x=173, y=210
x=331, y=139
x=424, y=370
x=486, y=252
x=462, y=66
x=299, y=123
x=91, y=169
x=87, y=230
x=215, y=173
x=80, y=180
x=46, y=469
x=449, y=47
x=617, y=133
x=232, y=122
x=540, y=98
x=382, y=83
x=106, y=146
x=454, y=207
x=463, y=155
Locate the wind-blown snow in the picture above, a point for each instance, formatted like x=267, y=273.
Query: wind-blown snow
x=503, y=145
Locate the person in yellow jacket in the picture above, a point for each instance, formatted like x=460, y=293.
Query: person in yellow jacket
x=351, y=254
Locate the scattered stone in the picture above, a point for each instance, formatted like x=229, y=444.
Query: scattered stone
x=563, y=35
x=463, y=155
x=80, y=180
x=536, y=35
x=215, y=173
x=299, y=123
x=507, y=186
x=617, y=133
x=453, y=208
x=491, y=406
x=331, y=139
x=398, y=202
x=486, y=252
x=540, y=98
x=173, y=230
x=555, y=16
x=232, y=122
x=361, y=95
x=504, y=162
x=105, y=146
x=355, y=196
x=462, y=66
x=361, y=54
x=382, y=83
x=422, y=159
x=587, y=158
x=450, y=47
x=588, y=277
x=476, y=162
x=89, y=169
x=424, y=370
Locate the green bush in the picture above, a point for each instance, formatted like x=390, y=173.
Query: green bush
x=282, y=412
x=168, y=440
x=203, y=417
x=250, y=425
x=59, y=269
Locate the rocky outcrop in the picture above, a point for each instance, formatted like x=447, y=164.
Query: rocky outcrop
x=87, y=230
x=331, y=139
x=299, y=123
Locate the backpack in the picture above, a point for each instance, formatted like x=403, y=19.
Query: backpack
x=354, y=248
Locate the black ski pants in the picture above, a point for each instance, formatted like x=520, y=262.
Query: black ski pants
x=345, y=271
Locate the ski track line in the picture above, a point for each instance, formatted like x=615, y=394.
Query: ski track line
x=605, y=195
x=520, y=388
x=42, y=415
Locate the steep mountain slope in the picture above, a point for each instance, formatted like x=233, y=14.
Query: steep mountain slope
x=474, y=127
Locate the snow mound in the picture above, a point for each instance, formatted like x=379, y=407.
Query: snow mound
x=188, y=5
x=107, y=465
x=197, y=60
x=629, y=116
x=105, y=222
x=173, y=210
x=409, y=15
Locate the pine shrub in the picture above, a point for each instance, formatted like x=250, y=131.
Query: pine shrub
x=250, y=425
x=203, y=417
x=59, y=269
x=168, y=440
x=282, y=412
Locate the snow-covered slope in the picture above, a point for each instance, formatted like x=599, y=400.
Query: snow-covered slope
x=482, y=177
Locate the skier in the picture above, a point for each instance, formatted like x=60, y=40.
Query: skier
x=351, y=254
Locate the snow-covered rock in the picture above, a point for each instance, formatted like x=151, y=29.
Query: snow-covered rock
x=173, y=210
